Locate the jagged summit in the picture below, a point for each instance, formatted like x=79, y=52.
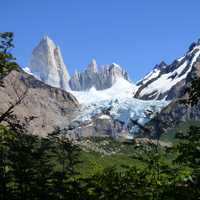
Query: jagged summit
x=76, y=73
x=92, y=67
x=102, y=77
x=194, y=45
x=170, y=81
x=47, y=64
x=162, y=65
x=165, y=81
x=116, y=65
x=47, y=39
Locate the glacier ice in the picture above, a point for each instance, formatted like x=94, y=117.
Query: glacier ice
x=119, y=101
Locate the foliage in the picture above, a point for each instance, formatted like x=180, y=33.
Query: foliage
x=44, y=168
x=7, y=61
x=189, y=155
x=6, y=137
x=7, y=64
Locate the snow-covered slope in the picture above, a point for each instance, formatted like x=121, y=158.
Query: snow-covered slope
x=169, y=81
x=122, y=89
x=47, y=64
x=117, y=103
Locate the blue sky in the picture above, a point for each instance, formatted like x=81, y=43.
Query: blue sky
x=137, y=34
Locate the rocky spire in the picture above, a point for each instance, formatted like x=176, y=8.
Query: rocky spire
x=101, y=79
x=76, y=73
x=161, y=65
x=47, y=64
x=92, y=67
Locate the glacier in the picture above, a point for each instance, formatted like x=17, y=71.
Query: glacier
x=119, y=101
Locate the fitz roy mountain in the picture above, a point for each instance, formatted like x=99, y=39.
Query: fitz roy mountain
x=110, y=103
x=48, y=66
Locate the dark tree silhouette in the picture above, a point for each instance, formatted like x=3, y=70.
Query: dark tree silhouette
x=7, y=61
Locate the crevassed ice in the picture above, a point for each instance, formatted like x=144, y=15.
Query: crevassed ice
x=119, y=100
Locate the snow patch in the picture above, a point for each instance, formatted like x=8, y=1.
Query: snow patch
x=104, y=117
x=154, y=74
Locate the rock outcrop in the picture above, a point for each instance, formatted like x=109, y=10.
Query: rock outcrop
x=177, y=112
x=101, y=125
x=49, y=107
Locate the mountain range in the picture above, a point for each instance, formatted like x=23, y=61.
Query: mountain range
x=107, y=101
x=165, y=81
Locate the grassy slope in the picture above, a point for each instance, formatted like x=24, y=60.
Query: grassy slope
x=94, y=161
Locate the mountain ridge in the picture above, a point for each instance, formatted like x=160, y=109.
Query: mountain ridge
x=100, y=77
x=165, y=81
x=47, y=65
x=169, y=81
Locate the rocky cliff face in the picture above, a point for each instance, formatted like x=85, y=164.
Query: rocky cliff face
x=47, y=64
x=170, y=81
x=101, y=78
x=170, y=117
x=101, y=125
x=50, y=107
